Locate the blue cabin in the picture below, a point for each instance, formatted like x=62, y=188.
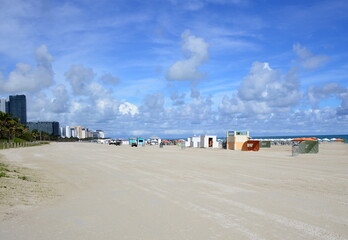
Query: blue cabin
x=141, y=141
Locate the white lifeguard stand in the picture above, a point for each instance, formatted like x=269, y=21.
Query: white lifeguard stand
x=236, y=139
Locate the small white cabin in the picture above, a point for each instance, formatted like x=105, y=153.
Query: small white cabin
x=195, y=141
x=208, y=141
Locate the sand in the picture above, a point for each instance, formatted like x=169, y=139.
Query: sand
x=92, y=191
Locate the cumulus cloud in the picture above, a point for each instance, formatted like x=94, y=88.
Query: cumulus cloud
x=96, y=91
x=128, y=109
x=316, y=94
x=79, y=78
x=263, y=94
x=267, y=85
x=26, y=78
x=198, y=111
x=343, y=109
x=196, y=53
x=178, y=99
x=60, y=102
x=307, y=59
x=153, y=103
x=109, y=79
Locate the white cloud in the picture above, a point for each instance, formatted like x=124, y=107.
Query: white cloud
x=317, y=94
x=96, y=91
x=79, y=78
x=264, y=94
x=128, y=108
x=178, y=99
x=267, y=85
x=60, y=102
x=198, y=111
x=196, y=53
x=43, y=57
x=153, y=106
x=307, y=59
x=26, y=78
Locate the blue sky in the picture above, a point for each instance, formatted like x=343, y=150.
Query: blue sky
x=177, y=68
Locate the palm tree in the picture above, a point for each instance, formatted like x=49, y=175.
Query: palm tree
x=35, y=133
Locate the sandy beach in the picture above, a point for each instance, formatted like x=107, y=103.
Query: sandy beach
x=94, y=191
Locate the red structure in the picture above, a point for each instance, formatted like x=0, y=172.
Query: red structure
x=251, y=145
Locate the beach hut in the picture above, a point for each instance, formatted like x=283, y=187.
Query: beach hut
x=188, y=142
x=208, y=141
x=236, y=139
x=251, y=145
x=141, y=141
x=195, y=141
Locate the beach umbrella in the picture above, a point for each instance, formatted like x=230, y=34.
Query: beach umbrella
x=297, y=139
x=340, y=140
x=305, y=139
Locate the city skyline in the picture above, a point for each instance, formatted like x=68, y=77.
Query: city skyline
x=178, y=68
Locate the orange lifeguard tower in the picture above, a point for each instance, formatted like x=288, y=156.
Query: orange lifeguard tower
x=236, y=139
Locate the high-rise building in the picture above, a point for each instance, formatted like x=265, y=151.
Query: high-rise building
x=78, y=131
x=90, y=134
x=51, y=128
x=73, y=132
x=99, y=134
x=17, y=107
x=84, y=132
x=67, y=131
x=3, y=103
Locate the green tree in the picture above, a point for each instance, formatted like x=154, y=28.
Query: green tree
x=10, y=127
x=35, y=133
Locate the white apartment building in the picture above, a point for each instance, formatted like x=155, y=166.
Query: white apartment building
x=3, y=104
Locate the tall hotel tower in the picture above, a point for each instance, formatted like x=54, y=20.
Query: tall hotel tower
x=17, y=107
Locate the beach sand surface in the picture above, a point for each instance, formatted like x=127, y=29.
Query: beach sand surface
x=94, y=191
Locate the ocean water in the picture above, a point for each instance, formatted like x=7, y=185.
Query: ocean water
x=342, y=136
